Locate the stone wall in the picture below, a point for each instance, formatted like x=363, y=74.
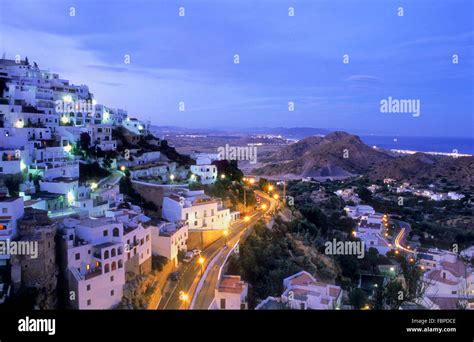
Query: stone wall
x=207, y=237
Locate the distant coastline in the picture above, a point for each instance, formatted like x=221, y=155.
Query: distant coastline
x=460, y=146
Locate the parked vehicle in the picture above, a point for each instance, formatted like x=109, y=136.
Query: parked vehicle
x=174, y=276
x=188, y=257
x=196, y=252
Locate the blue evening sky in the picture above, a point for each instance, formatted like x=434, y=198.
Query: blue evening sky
x=282, y=59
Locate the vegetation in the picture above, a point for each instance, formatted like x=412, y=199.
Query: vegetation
x=92, y=172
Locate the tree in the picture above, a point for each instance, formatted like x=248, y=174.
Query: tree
x=357, y=298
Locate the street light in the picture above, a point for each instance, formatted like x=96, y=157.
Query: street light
x=184, y=297
x=270, y=188
x=201, y=262
x=252, y=180
x=226, y=232
x=246, y=218
x=276, y=196
x=263, y=206
x=222, y=176
x=122, y=168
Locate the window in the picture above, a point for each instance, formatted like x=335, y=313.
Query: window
x=106, y=254
x=4, y=210
x=113, y=252
x=107, y=268
x=78, y=256
x=114, y=266
x=111, y=278
x=222, y=303
x=112, y=292
x=89, y=302
x=106, y=232
x=116, y=232
x=88, y=287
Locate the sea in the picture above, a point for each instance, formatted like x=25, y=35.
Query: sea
x=421, y=144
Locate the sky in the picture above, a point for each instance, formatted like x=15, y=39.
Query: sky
x=282, y=59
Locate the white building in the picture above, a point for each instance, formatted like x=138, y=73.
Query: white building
x=449, y=279
x=206, y=173
x=100, y=251
x=168, y=239
x=230, y=294
x=303, y=292
x=197, y=209
x=11, y=210
x=358, y=211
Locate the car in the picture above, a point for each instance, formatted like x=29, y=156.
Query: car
x=196, y=252
x=174, y=276
x=188, y=257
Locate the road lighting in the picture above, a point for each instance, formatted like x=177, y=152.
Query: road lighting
x=252, y=181
x=246, y=218
x=222, y=176
x=201, y=262
x=263, y=206
x=276, y=196
x=270, y=188
x=123, y=168
x=226, y=232
x=184, y=297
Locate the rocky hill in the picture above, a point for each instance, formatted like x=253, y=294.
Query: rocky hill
x=337, y=154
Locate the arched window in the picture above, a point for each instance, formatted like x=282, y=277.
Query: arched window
x=114, y=266
x=106, y=254
x=120, y=251
x=106, y=268
x=112, y=252
x=120, y=264
x=116, y=232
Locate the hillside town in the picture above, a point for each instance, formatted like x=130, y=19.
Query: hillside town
x=70, y=176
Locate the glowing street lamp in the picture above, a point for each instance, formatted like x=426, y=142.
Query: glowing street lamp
x=123, y=168
x=252, y=181
x=222, y=176
x=226, y=233
x=263, y=206
x=184, y=297
x=172, y=177
x=354, y=233
x=276, y=196
x=246, y=218
x=270, y=188
x=93, y=186
x=201, y=261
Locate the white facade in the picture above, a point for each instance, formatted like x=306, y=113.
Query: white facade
x=11, y=210
x=206, y=173
x=168, y=239
x=230, y=294
x=198, y=210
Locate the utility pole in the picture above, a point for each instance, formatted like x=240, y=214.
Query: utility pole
x=245, y=200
